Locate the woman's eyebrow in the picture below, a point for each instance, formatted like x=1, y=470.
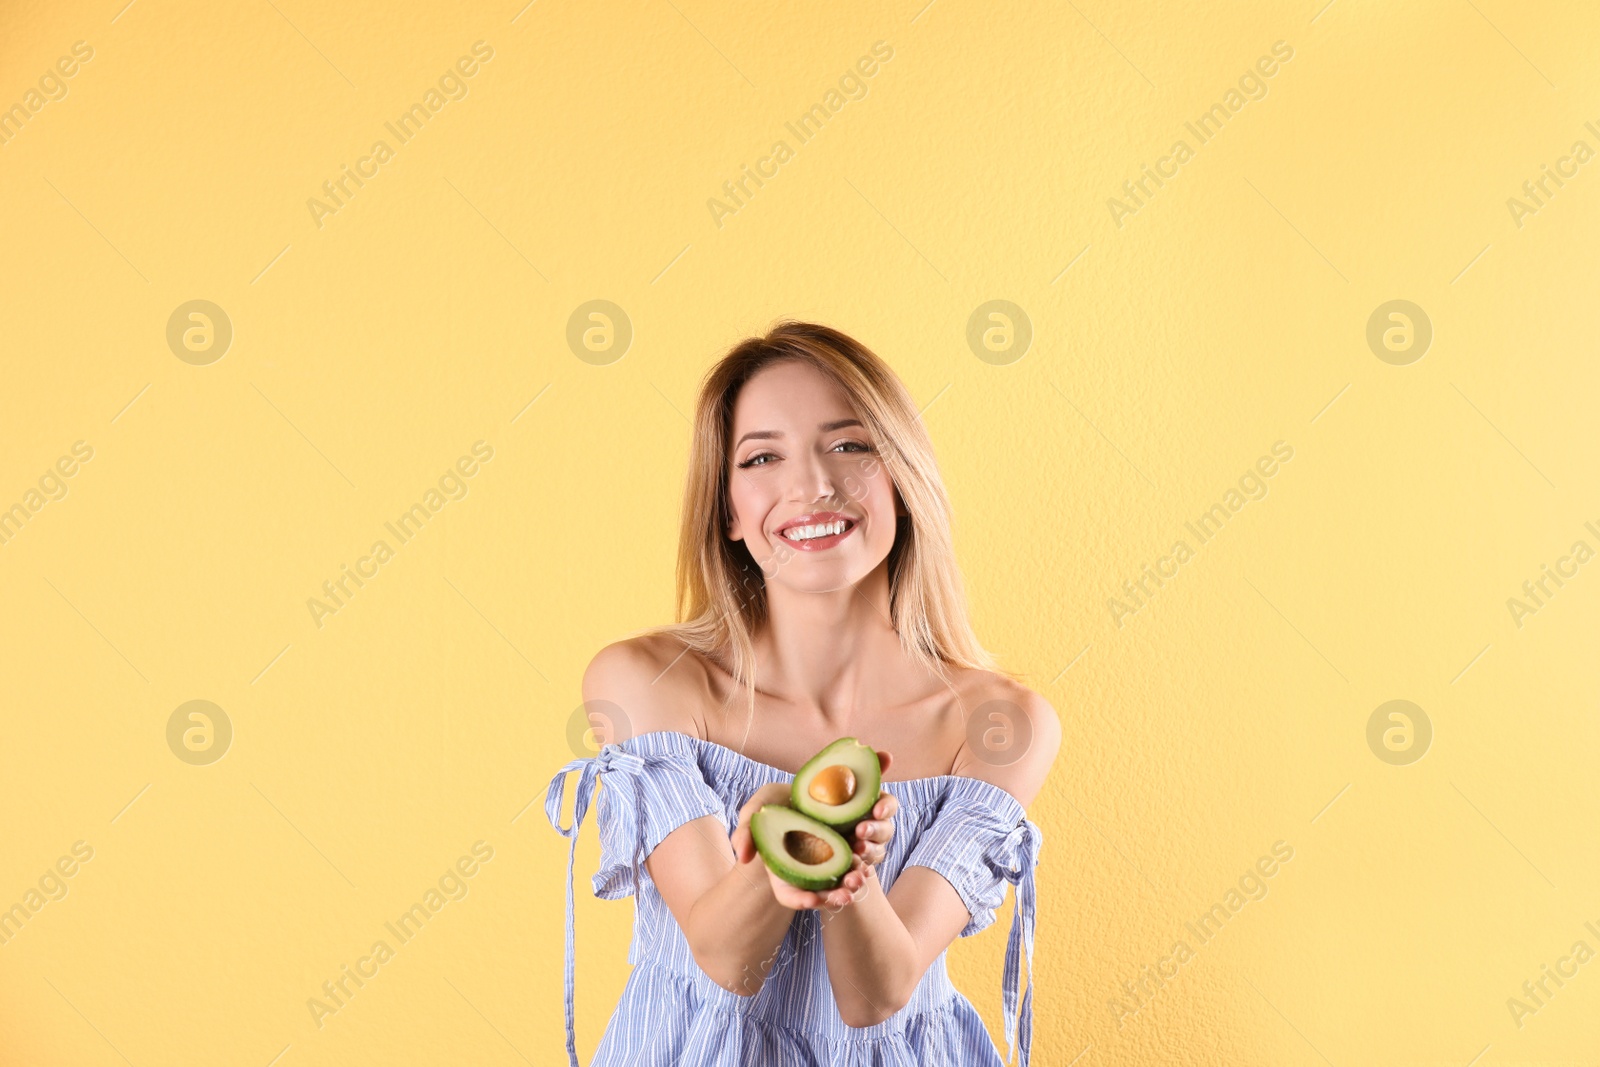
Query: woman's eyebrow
x=837, y=424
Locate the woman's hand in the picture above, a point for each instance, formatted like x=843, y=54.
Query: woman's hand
x=873, y=834
x=870, y=842
x=744, y=846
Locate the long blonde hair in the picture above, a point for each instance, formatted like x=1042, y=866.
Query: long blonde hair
x=721, y=591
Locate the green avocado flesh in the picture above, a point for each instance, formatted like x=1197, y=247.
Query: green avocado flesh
x=825, y=792
x=800, y=850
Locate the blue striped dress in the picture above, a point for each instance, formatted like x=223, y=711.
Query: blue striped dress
x=671, y=1013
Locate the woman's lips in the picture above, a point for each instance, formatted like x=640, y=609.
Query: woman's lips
x=817, y=544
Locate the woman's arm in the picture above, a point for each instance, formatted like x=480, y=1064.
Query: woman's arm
x=879, y=947
x=725, y=908
x=875, y=960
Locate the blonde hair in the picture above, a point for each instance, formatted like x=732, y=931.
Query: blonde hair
x=721, y=591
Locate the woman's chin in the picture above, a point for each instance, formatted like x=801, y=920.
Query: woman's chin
x=824, y=578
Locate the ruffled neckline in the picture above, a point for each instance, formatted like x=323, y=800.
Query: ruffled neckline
x=674, y=742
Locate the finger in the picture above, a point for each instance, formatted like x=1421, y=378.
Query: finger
x=884, y=759
x=860, y=874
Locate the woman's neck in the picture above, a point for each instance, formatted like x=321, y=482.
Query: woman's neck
x=829, y=653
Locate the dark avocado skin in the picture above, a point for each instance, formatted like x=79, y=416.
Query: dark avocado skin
x=775, y=863
x=800, y=802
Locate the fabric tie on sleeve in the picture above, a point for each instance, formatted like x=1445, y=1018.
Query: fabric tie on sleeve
x=610, y=757
x=1015, y=859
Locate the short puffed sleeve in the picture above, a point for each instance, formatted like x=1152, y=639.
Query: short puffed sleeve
x=979, y=838
x=650, y=785
x=642, y=799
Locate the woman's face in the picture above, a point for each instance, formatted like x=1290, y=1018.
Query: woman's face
x=801, y=458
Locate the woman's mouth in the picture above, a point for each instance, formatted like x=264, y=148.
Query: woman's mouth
x=817, y=532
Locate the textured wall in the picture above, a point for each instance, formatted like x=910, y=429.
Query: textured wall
x=188, y=476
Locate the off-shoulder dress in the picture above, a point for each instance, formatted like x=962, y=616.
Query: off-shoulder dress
x=974, y=834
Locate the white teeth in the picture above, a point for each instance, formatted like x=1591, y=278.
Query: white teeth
x=807, y=533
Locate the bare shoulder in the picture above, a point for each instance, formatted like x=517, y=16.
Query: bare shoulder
x=630, y=688
x=1013, y=734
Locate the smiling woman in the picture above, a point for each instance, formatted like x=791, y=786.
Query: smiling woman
x=760, y=461
x=816, y=546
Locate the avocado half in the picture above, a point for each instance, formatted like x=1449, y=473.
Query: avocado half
x=799, y=849
x=838, y=786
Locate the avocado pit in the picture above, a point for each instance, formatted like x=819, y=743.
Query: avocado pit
x=799, y=849
x=807, y=847
x=833, y=785
x=839, y=785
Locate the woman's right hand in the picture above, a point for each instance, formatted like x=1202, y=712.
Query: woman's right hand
x=793, y=897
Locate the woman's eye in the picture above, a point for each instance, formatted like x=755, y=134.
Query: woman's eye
x=758, y=459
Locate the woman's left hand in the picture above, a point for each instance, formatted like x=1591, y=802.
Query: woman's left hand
x=871, y=837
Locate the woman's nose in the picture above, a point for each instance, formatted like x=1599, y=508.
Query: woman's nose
x=813, y=481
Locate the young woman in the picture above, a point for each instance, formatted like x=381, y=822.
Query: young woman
x=818, y=598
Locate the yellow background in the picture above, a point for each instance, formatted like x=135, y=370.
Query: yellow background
x=1168, y=354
